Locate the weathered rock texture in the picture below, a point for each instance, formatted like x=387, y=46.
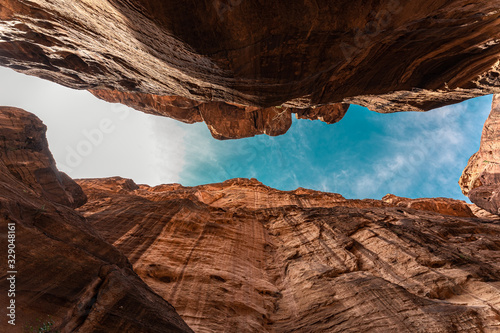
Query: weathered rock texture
x=65, y=270
x=242, y=257
x=439, y=205
x=480, y=179
x=388, y=55
x=224, y=120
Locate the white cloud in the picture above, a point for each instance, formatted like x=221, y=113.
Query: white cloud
x=169, y=149
x=134, y=145
x=427, y=147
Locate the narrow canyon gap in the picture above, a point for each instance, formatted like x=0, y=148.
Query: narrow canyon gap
x=110, y=255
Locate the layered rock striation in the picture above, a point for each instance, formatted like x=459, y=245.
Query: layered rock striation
x=66, y=274
x=242, y=257
x=480, y=180
x=236, y=256
x=386, y=55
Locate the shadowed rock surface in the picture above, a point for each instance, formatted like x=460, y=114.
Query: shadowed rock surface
x=225, y=121
x=65, y=270
x=386, y=55
x=242, y=257
x=480, y=180
x=25, y=155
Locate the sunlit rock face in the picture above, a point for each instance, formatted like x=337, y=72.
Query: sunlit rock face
x=66, y=273
x=444, y=206
x=480, y=180
x=388, y=55
x=242, y=257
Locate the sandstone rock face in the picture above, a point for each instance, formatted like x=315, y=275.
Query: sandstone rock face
x=224, y=120
x=25, y=154
x=329, y=114
x=479, y=212
x=443, y=206
x=387, y=55
x=242, y=257
x=481, y=178
x=175, y=107
x=65, y=270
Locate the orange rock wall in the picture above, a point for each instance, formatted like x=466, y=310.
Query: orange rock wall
x=242, y=257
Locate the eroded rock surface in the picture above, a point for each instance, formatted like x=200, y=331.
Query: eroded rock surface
x=444, y=206
x=224, y=120
x=480, y=179
x=25, y=155
x=242, y=257
x=387, y=55
x=66, y=272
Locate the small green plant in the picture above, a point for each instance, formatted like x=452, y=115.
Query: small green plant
x=42, y=327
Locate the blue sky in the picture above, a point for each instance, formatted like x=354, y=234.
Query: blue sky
x=365, y=155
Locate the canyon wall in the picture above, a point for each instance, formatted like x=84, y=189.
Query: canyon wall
x=242, y=257
x=66, y=273
x=480, y=180
x=236, y=256
x=105, y=255
x=387, y=55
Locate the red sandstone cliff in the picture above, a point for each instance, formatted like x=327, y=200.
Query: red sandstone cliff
x=237, y=256
x=66, y=272
x=242, y=257
x=388, y=55
x=480, y=180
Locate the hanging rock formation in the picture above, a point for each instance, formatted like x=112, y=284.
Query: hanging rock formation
x=480, y=180
x=224, y=120
x=388, y=55
x=66, y=273
x=242, y=257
